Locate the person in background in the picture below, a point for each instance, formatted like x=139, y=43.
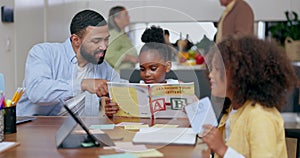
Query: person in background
x=155, y=57
x=172, y=45
x=167, y=37
x=237, y=19
x=56, y=71
x=255, y=76
x=155, y=63
x=121, y=54
x=157, y=34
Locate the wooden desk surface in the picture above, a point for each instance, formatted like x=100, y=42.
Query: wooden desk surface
x=37, y=139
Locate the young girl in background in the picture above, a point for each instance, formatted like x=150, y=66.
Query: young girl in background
x=155, y=62
x=155, y=57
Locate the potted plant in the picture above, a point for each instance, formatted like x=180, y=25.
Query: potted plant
x=287, y=33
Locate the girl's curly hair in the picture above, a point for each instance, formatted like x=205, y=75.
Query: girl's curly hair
x=257, y=70
x=153, y=34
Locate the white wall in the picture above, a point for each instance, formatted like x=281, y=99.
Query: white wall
x=270, y=10
x=295, y=6
x=7, y=53
x=29, y=30
x=165, y=10
x=194, y=10
x=59, y=14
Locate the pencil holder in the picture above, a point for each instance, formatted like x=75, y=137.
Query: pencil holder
x=10, y=120
x=1, y=125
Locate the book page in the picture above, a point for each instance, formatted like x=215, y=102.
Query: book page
x=133, y=99
x=168, y=100
x=147, y=100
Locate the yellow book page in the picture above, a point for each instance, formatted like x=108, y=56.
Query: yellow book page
x=173, y=89
x=127, y=99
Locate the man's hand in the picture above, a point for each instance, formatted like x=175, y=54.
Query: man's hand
x=110, y=107
x=95, y=86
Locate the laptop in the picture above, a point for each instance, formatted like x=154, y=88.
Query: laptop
x=66, y=139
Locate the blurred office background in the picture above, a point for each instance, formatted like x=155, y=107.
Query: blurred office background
x=36, y=21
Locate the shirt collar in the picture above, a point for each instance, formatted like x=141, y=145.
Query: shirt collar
x=230, y=6
x=71, y=55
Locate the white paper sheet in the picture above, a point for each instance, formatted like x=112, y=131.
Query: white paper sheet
x=201, y=113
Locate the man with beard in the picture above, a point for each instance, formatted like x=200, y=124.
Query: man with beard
x=59, y=71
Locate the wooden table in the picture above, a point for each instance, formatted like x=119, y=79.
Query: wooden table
x=37, y=139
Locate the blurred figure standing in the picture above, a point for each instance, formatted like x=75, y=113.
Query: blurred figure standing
x=237, y=19
x=167, y=37
x=121, y=54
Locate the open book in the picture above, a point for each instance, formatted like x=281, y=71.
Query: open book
x=152, y=100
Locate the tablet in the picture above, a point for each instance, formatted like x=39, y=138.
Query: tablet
x=24, y=119
x=65, y=138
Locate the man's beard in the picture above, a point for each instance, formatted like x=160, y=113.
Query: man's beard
x=91, y=58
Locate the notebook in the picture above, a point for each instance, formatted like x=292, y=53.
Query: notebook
x=7, y=145
x=182, y=136
x=66, y=139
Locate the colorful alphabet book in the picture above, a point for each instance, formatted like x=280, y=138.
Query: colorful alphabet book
x=152, y=100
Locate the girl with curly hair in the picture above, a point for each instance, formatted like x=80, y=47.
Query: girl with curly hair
x=255, y=76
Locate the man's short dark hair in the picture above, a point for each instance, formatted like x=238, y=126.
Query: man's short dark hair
x=86, y=18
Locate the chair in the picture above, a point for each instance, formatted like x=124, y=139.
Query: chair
x=2, y=83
